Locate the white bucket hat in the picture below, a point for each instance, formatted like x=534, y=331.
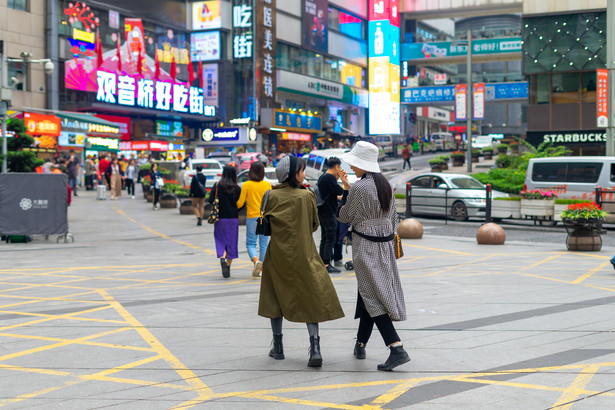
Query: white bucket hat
x=363, y=156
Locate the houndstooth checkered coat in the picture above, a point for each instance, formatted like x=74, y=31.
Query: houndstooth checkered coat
x=374, y=262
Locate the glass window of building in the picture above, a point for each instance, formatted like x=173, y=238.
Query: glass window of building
x=588, y=86
x=346, y=23
x=17, y=75
x=565, y=88
x=18, y=4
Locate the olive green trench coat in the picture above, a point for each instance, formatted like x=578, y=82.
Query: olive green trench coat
x=295, y=283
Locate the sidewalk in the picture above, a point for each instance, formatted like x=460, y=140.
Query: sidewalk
x=135, y=314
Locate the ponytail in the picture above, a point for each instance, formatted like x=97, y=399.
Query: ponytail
x=384, y=190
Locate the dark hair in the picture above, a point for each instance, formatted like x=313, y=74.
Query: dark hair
x=256, y=172
x=154, y=165
x=228, y=182
x=384, y=190
x=332, y=162
x=199, y=168
x=296, y=165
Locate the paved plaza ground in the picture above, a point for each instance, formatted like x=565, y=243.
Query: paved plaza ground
x=135, y=314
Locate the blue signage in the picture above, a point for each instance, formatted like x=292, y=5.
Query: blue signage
x=446, y=93
x=220, y=134
x=298, y=121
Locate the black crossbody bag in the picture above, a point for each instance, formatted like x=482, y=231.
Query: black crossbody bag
x=263, y=225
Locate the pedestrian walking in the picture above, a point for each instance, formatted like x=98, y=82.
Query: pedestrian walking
x=329, y=190
x=103, y=164
x=131, y=174
x=90, y=170
x=197, y=193
x=226, y=230
x=72, y=170
x=115, y=175
x=405, y=154
x=155, y=176
x=370, y=209
x=252, y=193
x=295, y=284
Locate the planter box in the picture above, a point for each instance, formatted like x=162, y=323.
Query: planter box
x=445, y=166
x=400, y=205
x=506, y=209
x=502, y=150
x=185, y=206
x=557, y=210
x=583, y=236
x=168, y=201
x=488, y=155
x=458, y=162
x=436, y=168
x=537, y=207
x=474, y=158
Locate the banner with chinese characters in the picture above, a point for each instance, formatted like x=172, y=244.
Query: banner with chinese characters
x=478, y=104
x=243, y=35
x=602, y=97
x=266, y=47
x=297, y=121
x=460, y=102
x=145, y=93
x=41, y=124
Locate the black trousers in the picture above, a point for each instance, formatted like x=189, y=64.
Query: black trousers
x=406, y=161
x=130, y=186
x=328, y=237
x=366, y=325
x=89, y=182
x=156, y=196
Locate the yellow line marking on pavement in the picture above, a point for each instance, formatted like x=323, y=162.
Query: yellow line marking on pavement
x=439, y=250
x=72, y=341
x=188, y=375
x=69, y=316
x=577, y=387
x=394, y=393
x=460, y=265
x=411, y=260
x=38, y=393
x=34, y=370
x=85, y=319
x=590, y=273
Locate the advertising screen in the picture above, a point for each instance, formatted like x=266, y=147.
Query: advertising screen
x=205, y=46
x=315, y=25
x=206, y=15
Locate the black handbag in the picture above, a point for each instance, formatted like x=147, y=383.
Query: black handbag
x=214, y=216
x=263, y=225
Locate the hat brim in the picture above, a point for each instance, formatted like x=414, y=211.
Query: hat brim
x=353, y=160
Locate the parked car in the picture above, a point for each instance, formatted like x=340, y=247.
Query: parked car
x=212, y=169
x=245, y=160
x=317, y=164
x=459, y=195
x=270, y=176
x=483, y=141
x=444, y=141
x=388, y=143
x=224, y=158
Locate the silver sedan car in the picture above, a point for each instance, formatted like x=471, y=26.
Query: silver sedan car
x=458, y=195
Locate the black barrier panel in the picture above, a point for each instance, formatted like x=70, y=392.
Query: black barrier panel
x=33, y=204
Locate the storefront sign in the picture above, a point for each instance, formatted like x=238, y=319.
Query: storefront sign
x=169, y=128
x=567, y=137
x=252, y=134
x=206, y=15
x=71, y=139
x=460, y=102
x=297, y=121
x=315, y=25
x=440, y=79
x=602, y=97
x=384, y=67
x=159, y=146
x=39, y=124
x=102, y=144
x=295, y=136
x=176, y=147
x=446, y=93
x=123, y=122
x=242, y=16
x=205, y=46
x=416, y=51
x=266, y=49
x=297, y=83
x=84, y=36
x=161, y=95
x=478, y=104
x=240, y=121
x=89, y=127
x=114, y=19
x=242, y=29
x=220, y=134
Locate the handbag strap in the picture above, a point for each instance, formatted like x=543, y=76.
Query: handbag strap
x=264, y=202
x=375, y=238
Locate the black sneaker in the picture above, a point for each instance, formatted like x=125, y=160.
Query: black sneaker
x=226, y=270
x=198, y=222
x=332, y=269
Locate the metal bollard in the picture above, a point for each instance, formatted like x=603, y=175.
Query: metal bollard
x=488, y=203
x=598, y=196
x=408, y=200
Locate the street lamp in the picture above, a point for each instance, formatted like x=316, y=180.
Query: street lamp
x=6, y=93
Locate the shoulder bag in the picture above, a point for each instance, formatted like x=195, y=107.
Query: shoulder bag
x=214, y=216
x=263, y=225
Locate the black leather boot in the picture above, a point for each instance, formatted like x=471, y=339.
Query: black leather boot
x=359, y=350
x=398, y=356
x=315, y=356
x=277, y=351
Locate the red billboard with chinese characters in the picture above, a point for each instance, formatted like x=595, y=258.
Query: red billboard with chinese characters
x=602, y=97
x=123, y=122
x=460, y=102
x=40, y=124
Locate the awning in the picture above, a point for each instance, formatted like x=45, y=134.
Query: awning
x=87, y=123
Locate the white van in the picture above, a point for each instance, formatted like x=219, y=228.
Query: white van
x=316, y=164
x=444, y=141
x=388, y=143
x=571, y=177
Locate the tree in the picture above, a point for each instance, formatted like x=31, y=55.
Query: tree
x=18, y=159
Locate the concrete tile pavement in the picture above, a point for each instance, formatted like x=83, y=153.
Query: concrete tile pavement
x=136, y=314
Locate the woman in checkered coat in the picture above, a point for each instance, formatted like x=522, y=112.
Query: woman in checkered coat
x=370, y=209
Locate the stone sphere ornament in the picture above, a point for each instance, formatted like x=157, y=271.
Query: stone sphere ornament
x=410, y=229
x=491, y=234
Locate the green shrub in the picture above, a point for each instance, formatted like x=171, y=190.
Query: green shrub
x=502, y=146
x=444, y=158
x=571, y=201
x=487, y=149
x=508, y=198
x=400, y=196
x=458, y=155
x=170, y=187
x=146, y=167
x=436, y=161
x=182, y=192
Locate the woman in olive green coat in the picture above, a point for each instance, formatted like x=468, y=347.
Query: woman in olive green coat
x=295, y=283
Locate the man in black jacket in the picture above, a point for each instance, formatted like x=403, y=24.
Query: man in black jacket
x=329, y=191
x=197, y=193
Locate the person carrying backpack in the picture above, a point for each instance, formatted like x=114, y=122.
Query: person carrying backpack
x=197, y=193
x=329, y=190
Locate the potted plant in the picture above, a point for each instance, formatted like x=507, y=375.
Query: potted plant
x=536, y=203
x=400, y=203
x=458, y=158
x=185, y=202
x=146, y=184
x=562, y=204
x=583, y=223
x=445, y=159
x=502, y=148
x=475, y=154
x=167, y=194
x=514, y=147
x=506, y=207
x=487, y=152
x=436, y=164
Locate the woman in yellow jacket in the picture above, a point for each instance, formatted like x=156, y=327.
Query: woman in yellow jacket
x=252, y=192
